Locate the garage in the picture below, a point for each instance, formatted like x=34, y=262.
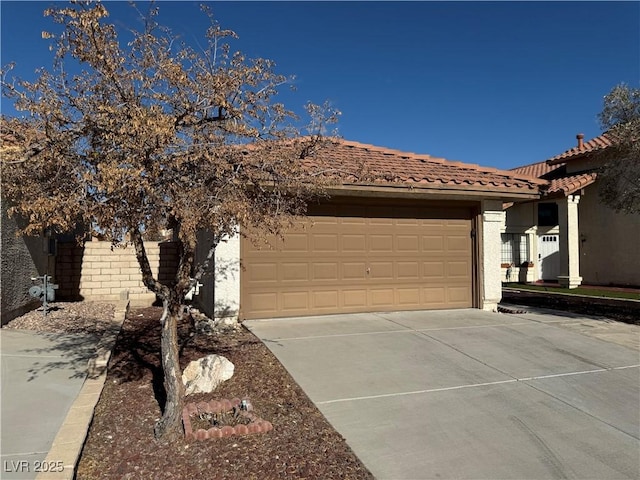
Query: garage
x=369, y=255
x=398, y=231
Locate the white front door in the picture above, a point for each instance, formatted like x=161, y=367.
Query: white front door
x=549, y=257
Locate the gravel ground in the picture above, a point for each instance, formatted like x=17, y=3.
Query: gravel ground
x=67, y=317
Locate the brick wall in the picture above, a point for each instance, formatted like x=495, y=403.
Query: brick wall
x=98, y=271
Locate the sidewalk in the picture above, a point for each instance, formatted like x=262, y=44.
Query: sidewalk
x=49, y=387
x=42, y=375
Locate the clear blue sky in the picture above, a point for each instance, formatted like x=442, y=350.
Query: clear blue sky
x=500, y=84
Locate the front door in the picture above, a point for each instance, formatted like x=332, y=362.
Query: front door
x=549, y=257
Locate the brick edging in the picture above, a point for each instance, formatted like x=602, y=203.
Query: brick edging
x=70, y=438
x=256, y=424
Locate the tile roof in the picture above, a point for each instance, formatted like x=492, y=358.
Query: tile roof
x=559, y=183
x=367, y=164
x=537, y=170
x=593, y=145
x=568, y=185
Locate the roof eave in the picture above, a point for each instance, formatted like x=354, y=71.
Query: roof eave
x=435, y=193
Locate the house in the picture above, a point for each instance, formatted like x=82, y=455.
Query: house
x=569, y=235
x=21, y=257
x=420, y=233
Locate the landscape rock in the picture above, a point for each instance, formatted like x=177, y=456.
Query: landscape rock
x=205, y=374
x=207, y=326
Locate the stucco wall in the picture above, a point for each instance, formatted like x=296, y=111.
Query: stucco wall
x=493, y=224
x=220, y=294
x=22, y=258
x=609, y=243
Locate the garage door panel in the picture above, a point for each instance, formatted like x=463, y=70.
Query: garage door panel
x=433, y=296
x=458, y=243
x=262, y=303
x=382, y=297
x=361, y=258
x=409, y=244
x=263, y=272
x=409, y=271
x=459, y=295
x=380, y=271
x=433, y=270
x=294, y=272
x=354, y=243
x=433, y=243
x=325, y=243
x=295, y=301
x=380, y=243
x=325, y=272
x=297, y=242
x=407, y=222
x=354, y=271
x=458, y=270
x=354, y=298
x=326, y=299
x=408, y=297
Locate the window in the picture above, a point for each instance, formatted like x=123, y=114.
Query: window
x=515, y=248
x=547, y=214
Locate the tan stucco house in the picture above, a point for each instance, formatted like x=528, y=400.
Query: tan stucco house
x=424, y=233
x=569, y=235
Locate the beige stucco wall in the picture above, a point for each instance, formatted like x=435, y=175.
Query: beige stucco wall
x=609, y=243
x=22, y=258
x=493, y=224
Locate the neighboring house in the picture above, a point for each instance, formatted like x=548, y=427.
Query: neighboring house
x=424, y=233
x=21, y=257
x=569, y=235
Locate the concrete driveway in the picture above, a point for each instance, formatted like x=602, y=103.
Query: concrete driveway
x=468, y=394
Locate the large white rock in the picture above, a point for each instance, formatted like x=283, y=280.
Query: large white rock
x=205, y=374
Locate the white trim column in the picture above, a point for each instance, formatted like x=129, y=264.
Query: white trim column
x=569, y=242
x=493, y=223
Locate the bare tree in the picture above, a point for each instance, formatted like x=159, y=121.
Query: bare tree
x=620, y=177
x=150, y=134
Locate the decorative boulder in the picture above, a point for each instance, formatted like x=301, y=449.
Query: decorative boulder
x=205, y=374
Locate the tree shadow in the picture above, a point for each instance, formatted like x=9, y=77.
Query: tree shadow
x=63, y=352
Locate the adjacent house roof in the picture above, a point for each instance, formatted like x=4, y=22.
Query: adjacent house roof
x=554, y=170
x=367, y=164
x=593, y=145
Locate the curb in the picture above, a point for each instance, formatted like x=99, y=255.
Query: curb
x=69, y=440
x=611, y=300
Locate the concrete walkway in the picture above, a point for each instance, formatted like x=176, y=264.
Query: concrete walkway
x=50, y=386
x=469, y=394
x=42, y=375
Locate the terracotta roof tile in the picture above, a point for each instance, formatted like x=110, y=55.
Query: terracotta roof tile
x=559, y=183
x=568, y=185
x=593, y=145
x=537, y=170
x=367, y=164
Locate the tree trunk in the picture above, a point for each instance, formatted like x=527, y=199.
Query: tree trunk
x=170, y=427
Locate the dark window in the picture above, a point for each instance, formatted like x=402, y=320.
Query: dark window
x=515, y=248
x=547, y=214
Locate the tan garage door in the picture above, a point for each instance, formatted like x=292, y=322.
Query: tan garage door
x=365, y=258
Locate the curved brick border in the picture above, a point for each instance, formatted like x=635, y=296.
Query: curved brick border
x=256, y=424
